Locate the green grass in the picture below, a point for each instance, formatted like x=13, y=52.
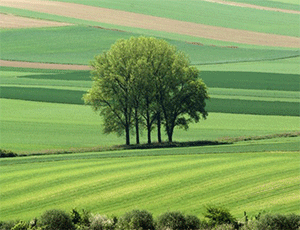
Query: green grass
x=251, y=182
x=53, y=45
x=28, y=126
x=205, y=13
x=283, y=66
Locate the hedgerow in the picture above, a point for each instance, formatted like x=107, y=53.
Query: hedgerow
x=217, y=218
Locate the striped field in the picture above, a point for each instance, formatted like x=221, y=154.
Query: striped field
x=252, y=182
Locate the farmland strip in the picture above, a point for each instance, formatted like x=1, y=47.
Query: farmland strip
x=11, y=21
x=239, y=4
x=36, y=65
x=123, y=18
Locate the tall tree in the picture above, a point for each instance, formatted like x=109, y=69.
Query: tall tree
x=146, y=81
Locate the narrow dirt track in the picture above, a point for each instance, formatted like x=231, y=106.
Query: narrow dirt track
x=239, y=4
x=35, y=65
x=10, y=21
x=123, y=18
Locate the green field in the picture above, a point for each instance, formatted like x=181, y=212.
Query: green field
x=254, y=91
x=202, y=11
x=106, y=184
x=55, y=46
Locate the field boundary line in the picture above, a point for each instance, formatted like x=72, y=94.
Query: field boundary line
x=38, y=65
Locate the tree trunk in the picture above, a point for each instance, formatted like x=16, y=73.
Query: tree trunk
x=127, y=133
x=149, y=135
x=158, y=128
x=170, y=134
x=137, y=131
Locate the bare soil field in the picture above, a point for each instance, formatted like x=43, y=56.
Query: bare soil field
x=123, y=18
x=35, y=65
x=239, y=4
x=10, y=22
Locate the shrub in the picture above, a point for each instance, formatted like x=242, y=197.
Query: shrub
x=279, y=222
x=56, y=220
x=21, y=226
x=192, y=222
x=99, y=222
x=136, y=219
x=7, y=225
x=171, y=221
x=219, y=216
x=7, y=153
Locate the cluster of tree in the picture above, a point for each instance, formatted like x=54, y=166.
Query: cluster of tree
x=146, y=83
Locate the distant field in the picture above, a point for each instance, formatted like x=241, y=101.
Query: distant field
x=252, y=182
x=79, y=45
x=201, y=12
x=280, y=4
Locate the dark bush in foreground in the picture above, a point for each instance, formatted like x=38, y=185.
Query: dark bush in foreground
x=192, y=222
x=7, y=225
x=136, y=219
x=171, y=221
x=56, y=220
x=279, y=222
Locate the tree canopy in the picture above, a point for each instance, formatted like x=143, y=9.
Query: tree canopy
x=146, y=83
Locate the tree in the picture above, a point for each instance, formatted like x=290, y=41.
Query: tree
x=146, y=82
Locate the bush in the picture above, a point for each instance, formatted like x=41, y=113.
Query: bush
x=99, y=222
x=136, y=219
x=279, y=222
x=7, y=153
x=220, y=216
x=21, y=226
x=192, y=222
x=7, y=225
x=171, y=221
x=56, y=220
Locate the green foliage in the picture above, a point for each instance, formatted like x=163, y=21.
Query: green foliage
x=171, y=220
x=7, y=225
x=56, y=220
x=192, y=222
x=7, y=153
x=145, y=76
x=101, y=222
x=279, y=222
x=136, y=219
x=219, y=216
x=21, y=226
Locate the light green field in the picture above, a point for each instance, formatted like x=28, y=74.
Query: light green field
x=40, y=127
x=252, y=182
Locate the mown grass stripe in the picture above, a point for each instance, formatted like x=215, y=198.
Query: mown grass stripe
x=176, y=182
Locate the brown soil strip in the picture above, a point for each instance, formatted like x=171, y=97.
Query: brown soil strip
x=123, y=18
x=253, y=6
x=35, y=65
x=10, y=21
